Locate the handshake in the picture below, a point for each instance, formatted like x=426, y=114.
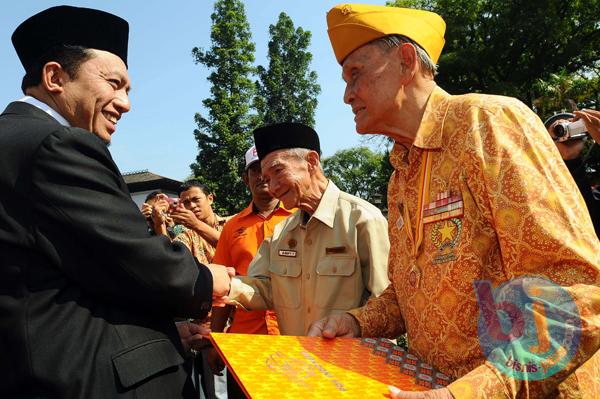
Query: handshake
x=221, y=283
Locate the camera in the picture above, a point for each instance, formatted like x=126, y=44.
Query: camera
x=569, y=130
x=566, y=130
x=173, y=202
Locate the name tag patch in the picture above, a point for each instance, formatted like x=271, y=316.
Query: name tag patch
x=335, y=250
x=287, y=253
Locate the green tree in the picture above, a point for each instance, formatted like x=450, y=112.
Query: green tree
x=564, y=92
x=361, y=172
x=506, y=46
x=225, y=134
x=287, y=90
x=546, y=52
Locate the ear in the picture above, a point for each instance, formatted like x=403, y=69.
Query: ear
x=54, y=77
x=245, y=178
x=312, y=159
x=408, y=61
x=210, y=198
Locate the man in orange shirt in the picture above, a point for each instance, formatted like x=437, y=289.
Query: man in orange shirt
x=239, y=242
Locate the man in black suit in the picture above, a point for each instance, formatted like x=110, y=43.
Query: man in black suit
x=87, y=297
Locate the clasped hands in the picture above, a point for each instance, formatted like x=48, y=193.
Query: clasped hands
x=221, y=276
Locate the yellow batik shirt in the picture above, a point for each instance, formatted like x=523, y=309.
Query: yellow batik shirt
x=497, y=203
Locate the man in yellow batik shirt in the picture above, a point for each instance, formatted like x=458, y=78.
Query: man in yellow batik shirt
x=494, y=263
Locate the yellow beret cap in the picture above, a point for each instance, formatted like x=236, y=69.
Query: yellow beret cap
x=352, y=25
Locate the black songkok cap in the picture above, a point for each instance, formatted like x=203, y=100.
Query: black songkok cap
x=279, y=136
x=68, y=25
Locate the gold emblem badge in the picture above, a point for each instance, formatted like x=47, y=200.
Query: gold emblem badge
x=346, y=9
x=445, y=235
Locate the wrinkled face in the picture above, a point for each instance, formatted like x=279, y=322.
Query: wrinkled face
x=373, y=81
x=196, y=201
x=256, y=182
x=98, y=96
x=287, y=176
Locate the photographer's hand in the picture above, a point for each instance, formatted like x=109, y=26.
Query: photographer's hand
x=159, y=210
x=591, y=118
x=159, y=217
x=185, y=217
x=147, y=210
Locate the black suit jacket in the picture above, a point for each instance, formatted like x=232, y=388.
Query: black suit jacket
x=87, y=297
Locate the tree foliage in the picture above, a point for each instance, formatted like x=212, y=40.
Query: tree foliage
x=564, y=92
x=546, y=52
x=506, y=46
x=361, y=172
x=287, y=90
x=225, y=134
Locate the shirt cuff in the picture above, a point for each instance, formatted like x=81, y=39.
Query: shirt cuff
x=483, y=382
x=235, y=291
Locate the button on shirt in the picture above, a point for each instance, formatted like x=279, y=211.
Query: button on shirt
x=333, y=263
x=501, y=205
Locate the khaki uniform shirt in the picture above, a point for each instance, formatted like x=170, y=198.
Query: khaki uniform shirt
x=330, y=265
x=501, y=205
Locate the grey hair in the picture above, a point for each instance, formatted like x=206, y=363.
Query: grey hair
x=300, y=154
x=391, y=41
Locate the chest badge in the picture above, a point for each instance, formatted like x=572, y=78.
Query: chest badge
x=445, y=235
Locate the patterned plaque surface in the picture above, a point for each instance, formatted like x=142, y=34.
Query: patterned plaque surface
x=269, y=366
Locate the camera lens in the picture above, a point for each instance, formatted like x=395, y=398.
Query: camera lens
x=560, y=130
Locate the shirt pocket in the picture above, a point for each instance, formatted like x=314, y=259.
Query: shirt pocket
x=286, y=283
x=338, y=284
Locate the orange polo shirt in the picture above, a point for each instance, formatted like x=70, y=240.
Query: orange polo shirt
x=239, y=242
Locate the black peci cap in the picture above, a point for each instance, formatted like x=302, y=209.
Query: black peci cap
x=68, y=25
x=279, y=136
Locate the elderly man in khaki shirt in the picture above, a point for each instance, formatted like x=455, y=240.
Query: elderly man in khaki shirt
x=329, y=256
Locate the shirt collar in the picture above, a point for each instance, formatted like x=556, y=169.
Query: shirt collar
x=327, y=207
x=325, y=211
x=44, y=107
x=429, y=134
x=251, y=209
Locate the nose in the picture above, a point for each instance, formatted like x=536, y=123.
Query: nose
x=348, y=94
x=271, y=185
x=122, y=102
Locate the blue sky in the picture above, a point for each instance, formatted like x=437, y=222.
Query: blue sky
x=168, y=88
